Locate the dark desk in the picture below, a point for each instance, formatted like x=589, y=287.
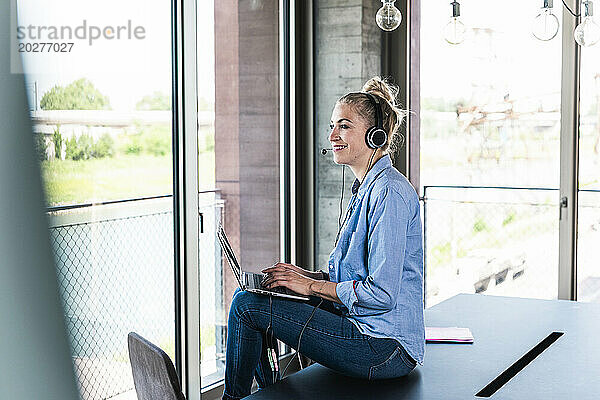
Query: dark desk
x=504, y=329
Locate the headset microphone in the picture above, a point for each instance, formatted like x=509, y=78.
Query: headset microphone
x=324, y=151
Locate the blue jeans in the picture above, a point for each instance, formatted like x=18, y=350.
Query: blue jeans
x=330, y=339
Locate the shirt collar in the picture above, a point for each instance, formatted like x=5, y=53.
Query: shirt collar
x=381, y=164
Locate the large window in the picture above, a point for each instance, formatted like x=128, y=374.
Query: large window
x=588, y=224
x=239, y=155
x=490, y=116
x=102, y=123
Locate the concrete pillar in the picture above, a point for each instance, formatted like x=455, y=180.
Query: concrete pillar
x=247, y=130
x=227, y=159
x=259, y=132
x=347, y=54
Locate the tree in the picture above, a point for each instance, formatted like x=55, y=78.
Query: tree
x=154, y=101
x=78, y=95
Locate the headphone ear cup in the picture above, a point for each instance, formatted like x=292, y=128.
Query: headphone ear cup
x=375, y=137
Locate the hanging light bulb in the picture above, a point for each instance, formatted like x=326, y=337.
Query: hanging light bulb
x=587, y=32
x=545, y=25
x=455, y=30
x=388, y=17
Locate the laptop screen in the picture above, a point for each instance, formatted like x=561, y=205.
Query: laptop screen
x=230, y=255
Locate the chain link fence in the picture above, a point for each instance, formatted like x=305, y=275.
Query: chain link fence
x=501, y=241
x=116, y=275
x=115, y=270
x=588, y=238
x=213, y=313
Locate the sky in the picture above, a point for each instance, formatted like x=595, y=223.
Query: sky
x=513, y=61
x=511, y=58
x=124, y=70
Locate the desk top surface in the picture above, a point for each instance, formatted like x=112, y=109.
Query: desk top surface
x=504, y=330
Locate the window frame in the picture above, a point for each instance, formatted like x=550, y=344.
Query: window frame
x=569, y=156
x=185, y=196
x=185, y=167
x=298, y=161
x=569, y=142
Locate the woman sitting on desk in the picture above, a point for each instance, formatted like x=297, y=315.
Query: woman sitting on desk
x=369, y=319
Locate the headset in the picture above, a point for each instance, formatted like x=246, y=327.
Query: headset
x=376, y=137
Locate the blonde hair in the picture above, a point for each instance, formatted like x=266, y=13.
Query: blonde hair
x=393, y=115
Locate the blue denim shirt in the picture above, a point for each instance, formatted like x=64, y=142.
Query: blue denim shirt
x=378, y=260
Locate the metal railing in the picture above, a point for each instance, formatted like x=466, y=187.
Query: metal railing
x=424, y=199
x=115, y=267
x=115, y=271
x=490, y=239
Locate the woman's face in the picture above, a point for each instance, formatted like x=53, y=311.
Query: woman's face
x=347, y=136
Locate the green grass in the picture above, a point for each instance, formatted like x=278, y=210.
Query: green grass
x=83, y=181
x=114, y=178
x=509, y=218
x=480, y=225
x=516, y=226
x=441, y=254
x=167, y=344
x=207, y=337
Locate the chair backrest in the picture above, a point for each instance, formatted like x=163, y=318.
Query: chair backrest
x=153, y=373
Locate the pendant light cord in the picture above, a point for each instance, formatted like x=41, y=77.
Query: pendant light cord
x=571, y=11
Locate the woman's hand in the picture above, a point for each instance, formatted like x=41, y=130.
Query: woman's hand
x=309, y=274
x=289, y=276
x=299, y=280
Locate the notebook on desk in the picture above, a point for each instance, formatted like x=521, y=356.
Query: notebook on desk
x=448, y=335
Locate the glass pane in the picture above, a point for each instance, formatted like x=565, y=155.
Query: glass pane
x=102, y=123
x=490, y=116
x=588, y=224
x=490, y=241
x=238, y=153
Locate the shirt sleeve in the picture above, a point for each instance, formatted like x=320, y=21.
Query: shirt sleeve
x=388, y=225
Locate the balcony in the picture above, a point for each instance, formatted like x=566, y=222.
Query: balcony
x=487, y=240
x=115, y=270
x=503, y=241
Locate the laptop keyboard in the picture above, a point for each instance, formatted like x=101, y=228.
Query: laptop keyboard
x=258, y=284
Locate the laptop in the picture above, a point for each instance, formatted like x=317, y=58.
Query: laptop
x=250, y=281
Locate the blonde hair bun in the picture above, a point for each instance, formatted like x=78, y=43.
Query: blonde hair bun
x=382, y=88
x=393, y=115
